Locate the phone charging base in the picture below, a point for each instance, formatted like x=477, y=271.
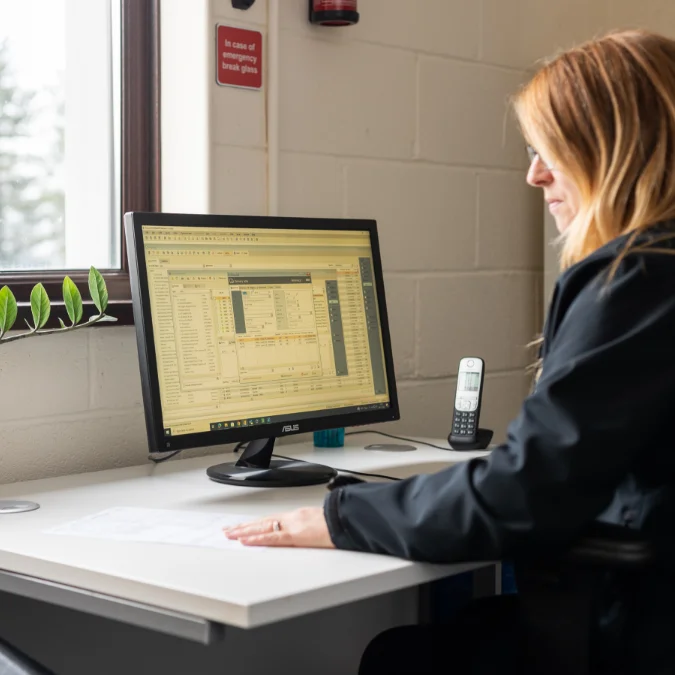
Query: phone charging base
x=483, y=438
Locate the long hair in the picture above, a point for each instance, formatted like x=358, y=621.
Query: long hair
x=604, y=114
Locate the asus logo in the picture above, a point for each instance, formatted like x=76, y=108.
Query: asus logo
x=290, y=427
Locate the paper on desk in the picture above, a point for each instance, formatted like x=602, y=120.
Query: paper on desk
x=160, y=526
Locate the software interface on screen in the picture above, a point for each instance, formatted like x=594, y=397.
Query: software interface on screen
x=259, y=326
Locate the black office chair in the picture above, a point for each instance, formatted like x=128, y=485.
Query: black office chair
x=15, y=662
x=558, y=594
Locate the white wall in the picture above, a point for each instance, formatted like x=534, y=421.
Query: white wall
x=402, y=119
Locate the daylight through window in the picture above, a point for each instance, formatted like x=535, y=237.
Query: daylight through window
x=59, y=134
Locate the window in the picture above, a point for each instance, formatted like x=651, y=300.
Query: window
x=79, y=140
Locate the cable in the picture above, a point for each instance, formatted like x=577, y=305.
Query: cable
x=153, y=456
x=239, y=446
x=158, y=460
x=356, y=473
x=398, y=438
x=242, y=444
x=381, y=433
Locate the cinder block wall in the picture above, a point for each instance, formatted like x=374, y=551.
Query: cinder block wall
x=400, y=118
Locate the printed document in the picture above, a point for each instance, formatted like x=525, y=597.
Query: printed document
x=161, y=526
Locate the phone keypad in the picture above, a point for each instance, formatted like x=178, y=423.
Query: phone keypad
x=464, y=423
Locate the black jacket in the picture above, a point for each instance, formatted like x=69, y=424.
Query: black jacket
x=595, y=439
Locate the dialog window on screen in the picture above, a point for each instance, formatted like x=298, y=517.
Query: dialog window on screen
x=257, y=326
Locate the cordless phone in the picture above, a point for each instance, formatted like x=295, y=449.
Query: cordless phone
x=465, y=433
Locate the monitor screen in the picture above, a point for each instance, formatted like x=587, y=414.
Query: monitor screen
x=254, y=326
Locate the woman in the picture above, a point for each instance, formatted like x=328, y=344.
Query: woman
x=594, y=439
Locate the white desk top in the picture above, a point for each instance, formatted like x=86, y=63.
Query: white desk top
x=244, y=588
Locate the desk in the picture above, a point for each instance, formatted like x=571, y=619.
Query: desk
x=191, y=592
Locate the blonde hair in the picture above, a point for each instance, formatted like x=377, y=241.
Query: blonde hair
x=604, y=114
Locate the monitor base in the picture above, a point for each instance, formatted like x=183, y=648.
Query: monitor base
x=280, y=473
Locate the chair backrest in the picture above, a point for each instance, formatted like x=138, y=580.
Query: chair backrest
x=15, y=662
x=613, y=547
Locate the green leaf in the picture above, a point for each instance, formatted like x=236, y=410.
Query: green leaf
x=63, y=325
x=8, y=310
x=98, y=290
x=39, y=305
x=73, y=300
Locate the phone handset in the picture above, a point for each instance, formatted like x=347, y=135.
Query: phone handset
x=466, y=433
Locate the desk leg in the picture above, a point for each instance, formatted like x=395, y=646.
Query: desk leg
x=487, y=581
x=425, y=610
x=437, y=598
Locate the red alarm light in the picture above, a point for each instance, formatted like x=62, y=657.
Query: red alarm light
x=333, y=12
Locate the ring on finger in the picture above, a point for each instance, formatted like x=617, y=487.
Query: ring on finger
x=276, y=526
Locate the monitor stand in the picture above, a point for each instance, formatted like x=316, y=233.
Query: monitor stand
x=256, y=468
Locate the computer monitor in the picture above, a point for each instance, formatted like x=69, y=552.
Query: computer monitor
x=250, y=328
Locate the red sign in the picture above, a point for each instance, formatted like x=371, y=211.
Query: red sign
x=239, y=57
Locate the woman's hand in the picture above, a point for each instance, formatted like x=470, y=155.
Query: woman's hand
x=304, y=528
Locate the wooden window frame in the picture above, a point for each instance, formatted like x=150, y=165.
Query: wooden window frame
x=140, y=168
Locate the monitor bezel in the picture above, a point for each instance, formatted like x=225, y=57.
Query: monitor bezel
x=158, y=443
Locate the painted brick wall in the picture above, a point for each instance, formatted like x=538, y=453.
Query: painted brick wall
x=401, y=118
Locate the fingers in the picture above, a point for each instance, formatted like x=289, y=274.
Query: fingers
x=266, y=532
x=255, y=528
x=305, y=527
x=268, y=539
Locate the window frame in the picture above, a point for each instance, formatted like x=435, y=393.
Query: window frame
x=140, y=169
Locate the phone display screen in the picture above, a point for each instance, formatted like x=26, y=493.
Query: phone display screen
x=469, y=381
